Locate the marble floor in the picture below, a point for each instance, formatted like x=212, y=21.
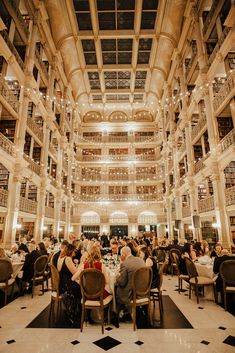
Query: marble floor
x=213, y=330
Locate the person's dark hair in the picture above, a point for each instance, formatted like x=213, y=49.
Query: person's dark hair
x=41, y=246
x=186, y=249
x=197, y=248
x=65, y=242
x=146, y=252
x=175, y=241
x=132, y=245
x=68, y=250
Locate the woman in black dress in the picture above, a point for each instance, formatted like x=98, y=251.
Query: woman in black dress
x=70, y=290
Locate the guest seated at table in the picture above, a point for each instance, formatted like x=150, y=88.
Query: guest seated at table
x=14, y=250
x=197, y=248
x=70, y=290
x=189, y=252
x=114, y=246
x=3, y=255
x=42, y=249
x=216, y=267
x=173, y=245
x=28, y=267
x=129, y=264
x=93, y=260
x=217, y=250
x=22, y=244
x=133, y=246
x=78, y=250
x=57, y=254
x=150, y=262
x=205, y=248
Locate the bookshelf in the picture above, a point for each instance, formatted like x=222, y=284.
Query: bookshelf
x=229, y=175
x=32, y=192
x=206, y=142
x=37, y=153
x=209, y=233
x=197, y=150
x=224, y=126
x=202, y=191
x=23, y=189
x=4, y=177
x=7, y=128
x=210, y=187
x=27, y=144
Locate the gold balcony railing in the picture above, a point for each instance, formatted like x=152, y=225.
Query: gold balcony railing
x=3, y=197
x=198, y=128
x=27, y=205
x=225, y=91
x=11, y=96
x=206, y=204
x=186, y=211
x=41, y=63
x=219, y=44
x=35, y=128
x=230, y=196
x=228, y=140
x=35, y=167
x=210, y=15
x=62, y=216
x=7, y=145
x=49, y=212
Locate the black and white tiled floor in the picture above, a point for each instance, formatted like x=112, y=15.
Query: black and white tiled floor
x=213, y=330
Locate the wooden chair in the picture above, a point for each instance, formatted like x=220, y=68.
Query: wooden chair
x=227, y=273
x=56, y=298
x=92, y=283
x=174, y=256
x=197, y=281
x=156, y=293
x=6, y=279
x=39, y=272
x=142, y=280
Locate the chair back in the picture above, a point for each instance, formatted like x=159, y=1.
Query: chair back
x=142, y=280
x=92, y=283
x=6, y=270
x=55, y=279
x=174, y=256
x=227, y=272
x=161, y=271
x=40, y=265
x=160, y=255
x=191, y=268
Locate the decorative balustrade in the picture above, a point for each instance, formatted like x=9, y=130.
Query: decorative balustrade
x=12, y=48
x=20, y=18
x=173, y=215
x=147, y=176
x=139, y=138
x=228, y=140
x=162, y=218
x=53, y=151
x=186, y=211
x=27, y=205
x=170, y=165
x=62, y=216
x=98, y=138
x=118, y=177
x=3, y=197
x=182, y=181
x=219, y=44
x=210, y=15
x=11, y=96
x=182, y=148
x=198, y=128
x=35, y=128
x=117, y=139
x=206, y=204
x=191, y=61
x=230, y=196
x=65, y=165
x=7, y=145
x=199, y=165
x=49, y=212
x=225, y=91
x=54, y=183
x=41, y=63
x=35, y=167
x=121, y=197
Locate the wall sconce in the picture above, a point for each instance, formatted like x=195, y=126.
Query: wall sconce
x=18, y=226
x=60, y=229
x=44, y=227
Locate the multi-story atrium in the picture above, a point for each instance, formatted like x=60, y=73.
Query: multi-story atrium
x=117, y=116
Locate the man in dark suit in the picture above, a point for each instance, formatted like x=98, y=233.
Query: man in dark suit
x=216, y=268
x=28, y=267
x=57, y=254
x=129, y=264
x=22, y=245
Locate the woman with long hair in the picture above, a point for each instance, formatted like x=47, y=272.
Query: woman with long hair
x=70, y=290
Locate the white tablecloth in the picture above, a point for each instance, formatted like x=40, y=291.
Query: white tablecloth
x=17, y=266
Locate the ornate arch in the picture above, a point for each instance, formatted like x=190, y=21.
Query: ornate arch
x=143, y=115
x=117, y=116
x=92, y=117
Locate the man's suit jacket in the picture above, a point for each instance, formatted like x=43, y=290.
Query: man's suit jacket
x=124, y=282
x=23, y=247
x=28, y=267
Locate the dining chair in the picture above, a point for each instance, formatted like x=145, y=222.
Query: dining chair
x=141, y=285
x=39, y=272
x=92, y=283
x=6, y=279
x=196, y=281
x=156, y=293
x=56, y=298
x=227, y=273
x=174, y=257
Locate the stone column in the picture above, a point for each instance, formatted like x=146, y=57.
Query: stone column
x=39, y=224
x=56, y=225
